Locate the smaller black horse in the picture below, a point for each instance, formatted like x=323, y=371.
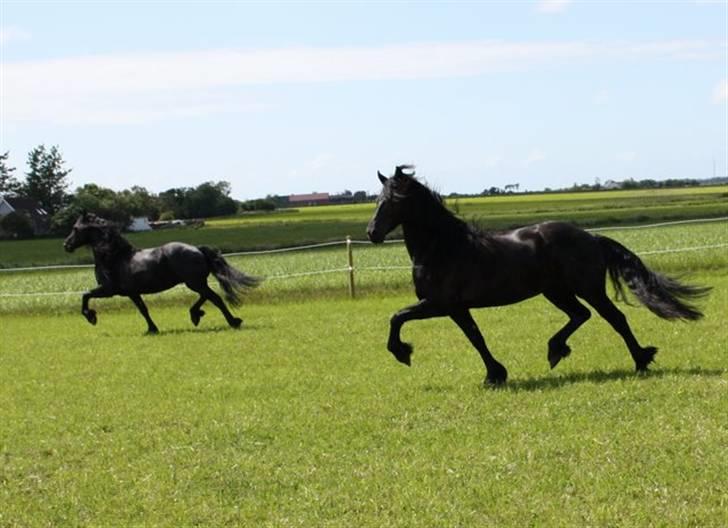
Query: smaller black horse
x=122, y=269
x=456, y=267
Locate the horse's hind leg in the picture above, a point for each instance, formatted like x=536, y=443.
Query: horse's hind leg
x=642, y=356
x=496, y=373
x=151, y=327
x=578, y=315
x=195, y=312
x=215, y=299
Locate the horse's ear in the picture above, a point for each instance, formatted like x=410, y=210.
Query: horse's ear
x=382, y=178
x=404, y=170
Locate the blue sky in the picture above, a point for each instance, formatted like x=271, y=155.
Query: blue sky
x=295, y=97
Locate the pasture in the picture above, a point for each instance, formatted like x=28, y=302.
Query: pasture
x=302, y=418
x=293, y=227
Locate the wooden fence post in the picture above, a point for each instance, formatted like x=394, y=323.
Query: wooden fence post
x=350, y=253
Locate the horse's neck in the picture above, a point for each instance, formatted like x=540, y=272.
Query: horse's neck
x=111, y=252
x=431, y=232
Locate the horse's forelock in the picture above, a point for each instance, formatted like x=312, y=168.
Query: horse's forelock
x=404, y=170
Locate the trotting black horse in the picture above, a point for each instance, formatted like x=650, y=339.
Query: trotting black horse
x=121, y=269
x=456, y=267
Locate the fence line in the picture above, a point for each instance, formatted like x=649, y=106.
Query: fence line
x=351, y=269
x=661, y=224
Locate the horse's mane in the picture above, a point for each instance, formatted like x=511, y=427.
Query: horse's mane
x=112, y=245
x=405, y=183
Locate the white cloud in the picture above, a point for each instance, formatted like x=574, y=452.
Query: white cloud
x=9, y=34
x=720, y=92
x=552, y=6
x=117, y=88
x=534, y=156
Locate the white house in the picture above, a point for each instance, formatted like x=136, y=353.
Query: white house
x=139, y=223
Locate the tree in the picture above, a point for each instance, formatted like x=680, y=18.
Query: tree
x=47, y=180
x=8, y=183
x=119, y=207
x=16, y=225
x=138, y=201
x=205, y=200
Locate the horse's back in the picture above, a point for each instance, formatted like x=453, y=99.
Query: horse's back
x=185, y=260
x=514, y=265
x=160, y=268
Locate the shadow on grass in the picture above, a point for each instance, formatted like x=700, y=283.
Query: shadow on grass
x=598, y=377
x=208, y=330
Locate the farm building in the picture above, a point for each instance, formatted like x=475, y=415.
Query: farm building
x=309, y=199
x=39, y=218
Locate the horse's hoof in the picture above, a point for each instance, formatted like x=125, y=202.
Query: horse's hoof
x=496, y=377
x=196, y=316
x=644, y=357
x=557, y=353
x=402, y=353
x=91, y=317
x=153, y=331
x=236, y=322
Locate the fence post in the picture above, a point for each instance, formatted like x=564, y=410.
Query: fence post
x=350, y=253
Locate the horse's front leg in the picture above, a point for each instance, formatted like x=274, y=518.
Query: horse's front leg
x=139, y=303
x=496, y=373
x=424, y=309
x=100, y=292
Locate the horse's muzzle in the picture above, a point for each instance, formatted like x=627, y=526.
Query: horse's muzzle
x=375, y=236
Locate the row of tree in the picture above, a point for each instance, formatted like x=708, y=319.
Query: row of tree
x=46, y=181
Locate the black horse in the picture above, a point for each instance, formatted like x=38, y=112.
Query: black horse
x=121, y=269
x=456, y=267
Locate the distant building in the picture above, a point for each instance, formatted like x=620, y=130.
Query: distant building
x=139, y=223
x=39, y=218
x=309, y=199
x=611, y=184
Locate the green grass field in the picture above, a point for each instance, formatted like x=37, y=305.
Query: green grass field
x=302, y=418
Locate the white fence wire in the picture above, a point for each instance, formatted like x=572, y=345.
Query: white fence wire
x=352, y=269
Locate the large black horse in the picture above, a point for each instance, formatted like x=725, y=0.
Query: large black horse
x=121, y=269
x=456, y=267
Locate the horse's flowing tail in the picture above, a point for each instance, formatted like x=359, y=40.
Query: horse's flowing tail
x=231, y=280
x=664, y=296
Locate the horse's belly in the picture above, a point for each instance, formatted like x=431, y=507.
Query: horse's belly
x=500, y=298
x=479, y=290
x=148, y=282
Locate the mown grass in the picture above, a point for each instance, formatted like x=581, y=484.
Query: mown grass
x=326, y=223
x=302, y=418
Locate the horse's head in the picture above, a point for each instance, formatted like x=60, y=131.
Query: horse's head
x=88, y=230
x=392, y=202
